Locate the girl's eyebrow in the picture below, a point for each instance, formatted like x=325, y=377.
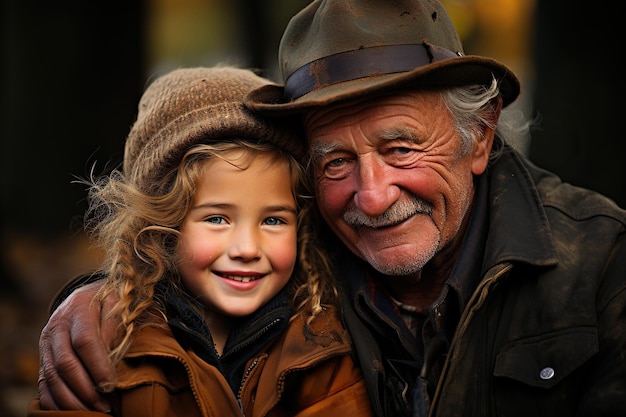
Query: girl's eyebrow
x=289, y=209
x=205, y=205
x=273, y=208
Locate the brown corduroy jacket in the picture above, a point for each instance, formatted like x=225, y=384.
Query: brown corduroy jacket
x=308, y=371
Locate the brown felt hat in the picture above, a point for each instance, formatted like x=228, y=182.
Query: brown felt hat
x=197, y=105
x=336, y=50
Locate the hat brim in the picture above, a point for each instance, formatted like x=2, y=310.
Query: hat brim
x=269, y=99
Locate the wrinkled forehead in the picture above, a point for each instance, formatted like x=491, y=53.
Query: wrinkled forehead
x=323, y=118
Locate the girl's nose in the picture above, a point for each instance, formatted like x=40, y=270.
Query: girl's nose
x=245, y=245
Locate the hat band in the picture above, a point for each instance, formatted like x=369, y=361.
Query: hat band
x=361, y=63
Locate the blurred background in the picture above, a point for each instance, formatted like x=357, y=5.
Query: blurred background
x=73, y=72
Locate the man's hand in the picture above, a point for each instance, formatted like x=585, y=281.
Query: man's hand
x=74, y=364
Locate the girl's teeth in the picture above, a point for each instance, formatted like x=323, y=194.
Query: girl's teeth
x=240, y=279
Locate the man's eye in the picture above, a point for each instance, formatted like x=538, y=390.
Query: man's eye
x=402, y=156
x=401, y=150
x=337, y=168
x=336, y=163
x=273, y=221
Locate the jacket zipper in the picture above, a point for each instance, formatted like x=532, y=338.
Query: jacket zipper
x=248, y=371
x=254, y=338
x=245, y=376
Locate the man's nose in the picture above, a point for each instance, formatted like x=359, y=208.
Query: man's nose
x=375, y=193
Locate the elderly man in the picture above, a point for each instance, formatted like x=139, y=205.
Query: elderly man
x=473, y=283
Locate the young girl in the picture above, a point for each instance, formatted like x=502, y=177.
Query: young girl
x=226, y=306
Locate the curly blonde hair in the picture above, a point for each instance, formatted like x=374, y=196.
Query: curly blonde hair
x=139, y=232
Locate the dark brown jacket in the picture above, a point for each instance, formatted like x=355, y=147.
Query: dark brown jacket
x=307, y=371
x=544, y=333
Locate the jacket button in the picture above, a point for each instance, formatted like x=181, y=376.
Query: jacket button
x=546, y=373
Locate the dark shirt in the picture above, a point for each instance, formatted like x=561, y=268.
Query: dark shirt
x=247, y=337
x=414, y=342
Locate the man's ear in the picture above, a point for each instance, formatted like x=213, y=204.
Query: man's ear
x=482, y=148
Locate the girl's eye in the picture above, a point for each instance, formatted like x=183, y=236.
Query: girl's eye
x=215, y=220
x=273, y=221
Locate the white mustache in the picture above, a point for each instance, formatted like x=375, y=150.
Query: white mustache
x=398, y=212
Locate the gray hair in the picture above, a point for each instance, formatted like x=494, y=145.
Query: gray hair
x=473, y=107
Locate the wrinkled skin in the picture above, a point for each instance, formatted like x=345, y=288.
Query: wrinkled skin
x=376, y=153
x=395, y=184
x=68, y=336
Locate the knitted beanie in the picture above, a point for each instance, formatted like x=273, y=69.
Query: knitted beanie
x=198, y=105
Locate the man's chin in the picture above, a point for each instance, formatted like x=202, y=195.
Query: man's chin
x=399, y=264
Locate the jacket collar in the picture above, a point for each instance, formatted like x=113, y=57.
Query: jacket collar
x=303, y=346
x=519, y=230
x=190, y=332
